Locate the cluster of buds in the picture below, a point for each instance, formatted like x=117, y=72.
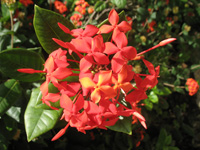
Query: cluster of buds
x=8, y=2
x=150, y=26
x=105, y=86
x=76, y=19
x=61, y=7
x=81, y=6
x=193, y=86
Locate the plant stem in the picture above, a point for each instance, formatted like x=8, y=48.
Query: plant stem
x=12, y=30
x=173, y=86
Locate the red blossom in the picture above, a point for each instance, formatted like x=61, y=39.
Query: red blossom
x=103, y=76
x=61, y=7
x=193, y=86
x=26, y=2
x=113, y=19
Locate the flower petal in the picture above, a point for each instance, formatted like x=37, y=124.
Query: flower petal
x=113, y=17
x=62, y=73
x=49, y=65
x=66, y=102
x=121, y=40
x=149, y=66
x=105, y=29
x=85, y=63
x=64, y=44
x=90, y=30
x=96, y=96
x=124, y=26
x=101, y=58
x=117, y=62
x=81, y=45
x=87, y=83
x=110, y=48
x=129, y=52
x=104, y=77
x=64, y=28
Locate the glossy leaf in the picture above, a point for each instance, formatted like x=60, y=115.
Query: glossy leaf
x=119, y=3
x=14, y=112
x=153, y=97
x=10, y=92
x=123, y=125
x=161, y=90
x=100, y=6
x=5, y=12
x=46, y=27
x=148, y=104
x=14, y=59
x=37, y=120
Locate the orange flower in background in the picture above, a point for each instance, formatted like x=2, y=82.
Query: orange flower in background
x=193, y=86
x=61, y=7
x=129, y=20
x=81, y=6
x=76, y=19
x=90, y=10
x=26, y=2
x=151, y=26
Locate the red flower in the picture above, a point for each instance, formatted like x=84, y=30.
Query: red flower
x=97, y=87
x=193, y=86
x=102, y=88
x=113, y=18
x=26, y=2
x=151, y=26
x=61, y=7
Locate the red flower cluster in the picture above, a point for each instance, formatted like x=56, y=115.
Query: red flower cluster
x=107, y=87
x=61, y=7
x=26, y=2
x=193, y=86
x=76, y=19
x=81, y=6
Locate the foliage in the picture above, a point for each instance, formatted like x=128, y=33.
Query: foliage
x=171, y=114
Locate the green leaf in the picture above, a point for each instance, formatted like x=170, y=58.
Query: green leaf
x=119, y=3
x=4, y=41
x=5, y=12
x=46, y=28
x=14, y=112
x=188, y=129
x=163, y=104
x=195, y=67
x=161, y=139
x=148, y=104
x=161, y=90
x=14, y=59
x=172, y=148
x=153, y=97
x=142, y=13
x=38, y=121
x=100, y=6
x=153, y=15
x=168, y=140
x=123, y=125
x=8, y=127
x=10, y=92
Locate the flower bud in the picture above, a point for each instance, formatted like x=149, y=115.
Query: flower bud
x=167, y=41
